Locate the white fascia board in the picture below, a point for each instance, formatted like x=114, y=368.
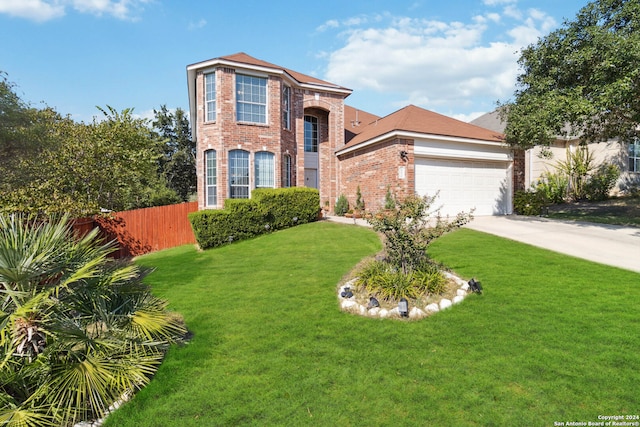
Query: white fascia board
x=268, y=70
x=419, y=136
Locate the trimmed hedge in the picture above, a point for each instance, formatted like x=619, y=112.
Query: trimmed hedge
x=268, y=210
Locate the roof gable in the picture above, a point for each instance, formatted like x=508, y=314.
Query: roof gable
x=243, y=58
x=412, y=119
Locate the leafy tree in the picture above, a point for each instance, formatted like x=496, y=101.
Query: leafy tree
x=410, y=228
x=57, y=165
x=582, y=79
x=178, y=162
x=77, y=331
x=24, y=133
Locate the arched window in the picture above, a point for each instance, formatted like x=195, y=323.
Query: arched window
x=211, y=177
x=238, y=174
x=264, y=169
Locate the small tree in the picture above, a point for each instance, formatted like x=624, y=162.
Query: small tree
x=359, y=202
x=342, y=205
x=410, y=229
x=389, y=201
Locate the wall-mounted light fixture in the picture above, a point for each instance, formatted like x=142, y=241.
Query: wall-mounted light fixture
x=404, y=155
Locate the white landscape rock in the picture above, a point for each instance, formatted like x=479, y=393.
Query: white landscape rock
x=362, y=309
x=383, y=313
x=432, y=308
x=374, y=311
x=457, y=299
x=461, y=293
x=347, y=305
x=445, y=303
x=465, y=287
x=416, y=313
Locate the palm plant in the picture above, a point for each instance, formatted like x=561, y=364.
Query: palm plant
x=77, y=330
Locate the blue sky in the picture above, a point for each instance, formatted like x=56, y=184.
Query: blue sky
x=454, y=57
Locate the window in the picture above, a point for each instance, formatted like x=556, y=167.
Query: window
x=310, y=134
x=211, y=178
x=286, y=107
x=251, y=99
x=634, y=155
x=210, y=96
x=264, y=169
x=286, y=176
x=238, y=174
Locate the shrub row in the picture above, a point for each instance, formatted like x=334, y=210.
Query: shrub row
x=267, y=210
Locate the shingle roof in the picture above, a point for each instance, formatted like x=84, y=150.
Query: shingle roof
x=414, y=119
x=243, y=58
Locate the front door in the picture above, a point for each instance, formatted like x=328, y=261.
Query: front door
x=311, y=178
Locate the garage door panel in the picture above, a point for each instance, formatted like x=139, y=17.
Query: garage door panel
x=464, y=185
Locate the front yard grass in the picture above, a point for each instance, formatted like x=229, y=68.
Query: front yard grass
x=618, y=211
x=552, y=339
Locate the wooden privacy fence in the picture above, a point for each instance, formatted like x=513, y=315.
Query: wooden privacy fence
x=141, y=231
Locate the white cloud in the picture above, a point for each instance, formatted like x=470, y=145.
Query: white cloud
x=438, y=65
x=35, y=10
x=197, y=25
x=45, y=10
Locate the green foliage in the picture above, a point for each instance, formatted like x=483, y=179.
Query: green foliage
x=51, y=164
x=410, y=229
x=529, y=202
x=601, y=182
x=389, y=201
x=77, y=330
x=577, y=167
x=359, y=202
x=268, y=210
x=381, y=279
x=342, y=205
x=580, y=79
x=177, y=164
x=551, y=188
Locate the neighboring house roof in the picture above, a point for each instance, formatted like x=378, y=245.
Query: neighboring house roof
x=412, y=121
x=492, y=121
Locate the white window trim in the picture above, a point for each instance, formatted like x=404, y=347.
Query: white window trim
x=266, y=104
x=215, y=99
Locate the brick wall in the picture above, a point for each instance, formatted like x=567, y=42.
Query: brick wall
x=376, y=168
x=227, y=134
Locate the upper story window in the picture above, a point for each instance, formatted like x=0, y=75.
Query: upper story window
x=239, y=174
x=251, y=99
x=210, y=96
x=211, y=178
x=310, y=134
x=286, y=173
x=286, y=107
x=264, y=174
x=634, y=155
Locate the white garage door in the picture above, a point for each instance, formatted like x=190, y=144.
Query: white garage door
x=485, y=186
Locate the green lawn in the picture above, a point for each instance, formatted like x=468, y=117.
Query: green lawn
x=552, y=339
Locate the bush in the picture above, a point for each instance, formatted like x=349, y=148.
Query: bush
x=379, y=278
x=529, y=202
x=552, y=187
x=342, y=205
x=268, y=210
x=601, y=182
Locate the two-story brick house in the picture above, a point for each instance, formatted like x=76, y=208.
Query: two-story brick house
x=260, y=125
x=257, y=124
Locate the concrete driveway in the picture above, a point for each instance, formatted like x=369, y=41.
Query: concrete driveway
x=605, y=244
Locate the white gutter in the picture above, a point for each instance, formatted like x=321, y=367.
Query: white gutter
x=416, y=135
